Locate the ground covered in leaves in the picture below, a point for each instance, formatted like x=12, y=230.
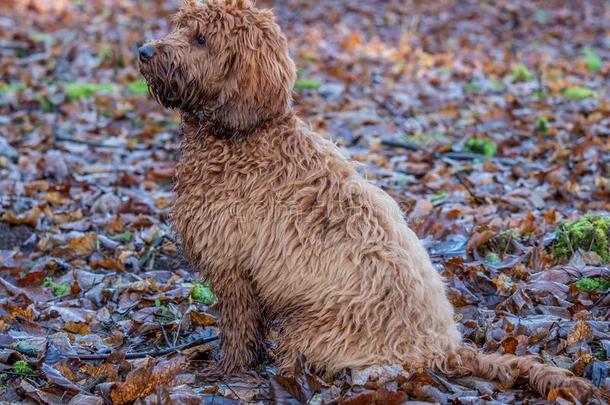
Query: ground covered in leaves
x=489, y=123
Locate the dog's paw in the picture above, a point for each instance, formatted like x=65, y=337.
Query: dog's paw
x=220, y=370
x=575, y=389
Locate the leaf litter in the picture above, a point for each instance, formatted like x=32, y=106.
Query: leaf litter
x=488, y=123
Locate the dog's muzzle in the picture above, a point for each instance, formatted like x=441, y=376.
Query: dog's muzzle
x=146, y=53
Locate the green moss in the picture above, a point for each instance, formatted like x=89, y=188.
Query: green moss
x=165, y=313
x=600, y=354
x=485, y=147
x=592, y=59
x=105, y=53
x=438, y=197
x=593, y=284
x=305, y=84
x=521, y=73
x=202, y=292
x=41, y=37
x=578, y=93
x=45, y=103
x=497, y=85
x=12, y=87
x=542, y=125
x=75, y=91
x=21, y=367
x=422, y=139
x=500, y=245
x=471, y=87
x=589, y=233
x=541, y=94
x=58, y=289
x=492, y=258
x=138, y=88
x=503, y=240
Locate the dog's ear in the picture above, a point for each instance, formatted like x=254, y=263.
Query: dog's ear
x=259, y=78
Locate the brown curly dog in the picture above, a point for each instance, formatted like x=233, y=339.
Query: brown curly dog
x=283, y=226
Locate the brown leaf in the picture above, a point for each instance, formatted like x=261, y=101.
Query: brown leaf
x=84, y=399
x=29, y=217
x=297, y=388
x=77, y=327
x=479, y=238
x=509, y=344
x=84, y=245
x=180, y=395
x=580, y=332
x=55, y=377
x=422, y=208
x=116, y=225
x=161, y=173
x=34, y=295
x=109, y=369
x=143, y=381
x=108, y=263
x=202, y=319
x=378, y=397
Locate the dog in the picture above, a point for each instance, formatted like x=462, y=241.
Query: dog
x=284, y=227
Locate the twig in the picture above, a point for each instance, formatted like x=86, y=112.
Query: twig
x=450, y=155
x=400, y=144
x=85, y=142
x=463, y=156
x=230, y=388
x=15, y=374
x=463, y=182
x=178, y=331
x=151, y=353
x=100, y=379
x=60, y=138
x=167, y=342
x=128, y=355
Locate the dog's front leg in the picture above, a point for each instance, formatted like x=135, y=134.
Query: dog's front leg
x=240, y=322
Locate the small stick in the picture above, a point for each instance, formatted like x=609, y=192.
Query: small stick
x=86, y=142
x=463, y=182
x=128, y=355
x=94, y=144
x=400, y=144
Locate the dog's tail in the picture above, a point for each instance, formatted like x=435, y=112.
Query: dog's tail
x=506, y=368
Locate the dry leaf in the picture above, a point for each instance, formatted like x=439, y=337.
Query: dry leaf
x=202, y=319
x=144, y=380
x=29, y=217
x=479, y=238
x=84, y=245
x=77, y=327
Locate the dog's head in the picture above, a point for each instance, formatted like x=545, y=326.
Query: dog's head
x=224, y=58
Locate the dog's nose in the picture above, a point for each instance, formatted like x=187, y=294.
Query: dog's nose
x=146, y=53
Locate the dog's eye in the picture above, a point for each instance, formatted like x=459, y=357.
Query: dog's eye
x=200, y=40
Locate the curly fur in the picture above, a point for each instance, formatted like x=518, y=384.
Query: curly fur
x=284, y=227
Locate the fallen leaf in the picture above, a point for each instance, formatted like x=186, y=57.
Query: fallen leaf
x=143, y=381
x=84, y=245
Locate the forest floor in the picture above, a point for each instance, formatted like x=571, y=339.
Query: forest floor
x=489, y=123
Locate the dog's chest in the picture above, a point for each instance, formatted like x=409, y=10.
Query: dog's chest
x=220, y=199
